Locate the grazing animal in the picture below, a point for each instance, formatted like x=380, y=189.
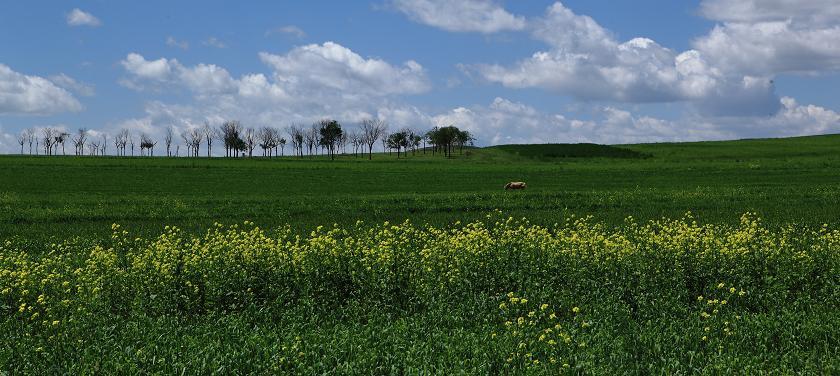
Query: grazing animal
x=516, y=185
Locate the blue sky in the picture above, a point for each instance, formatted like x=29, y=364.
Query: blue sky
x=510, y=72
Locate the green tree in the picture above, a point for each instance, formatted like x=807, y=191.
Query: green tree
x=331, y=133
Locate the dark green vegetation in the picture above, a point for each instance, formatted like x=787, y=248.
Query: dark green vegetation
x=167, y=309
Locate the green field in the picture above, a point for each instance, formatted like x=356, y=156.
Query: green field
x=280, y=295
x=784, y=180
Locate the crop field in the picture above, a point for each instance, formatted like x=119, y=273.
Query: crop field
x=683, y=258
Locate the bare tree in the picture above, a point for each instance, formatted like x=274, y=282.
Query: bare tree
x=93, y=147
x=310, y=138
x=210, y=133
x=21, y=139
x=48, y=137
x=267, y=140
x=295, y=132
x=30, y=137
x=130, y=142
x=60, y=137
x=120, y=140
x=372, y=130
x=196, y=136
x=167, y=140
x=250, y=138
x=104, y=146
x=185, y=135
x=79, y=140
x=282, y=143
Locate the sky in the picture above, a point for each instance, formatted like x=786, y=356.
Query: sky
x=525, y=71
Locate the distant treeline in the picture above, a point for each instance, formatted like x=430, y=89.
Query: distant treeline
x=325, y=137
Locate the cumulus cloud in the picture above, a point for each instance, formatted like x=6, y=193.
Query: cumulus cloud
x=25, y=94
x=753, y=11
x=772, y=37
x=587, y=62
x=504, y=121
x=333, y=66
x=484, y=16
x=507, y=122
x=78, y=17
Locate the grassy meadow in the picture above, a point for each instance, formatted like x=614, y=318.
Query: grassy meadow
x=677, y=258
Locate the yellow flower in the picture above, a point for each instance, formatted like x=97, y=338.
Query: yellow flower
x=543, y=307
x=721, y=285
x=705, y=338
x=523, y=300
x=731, y=290
x=576, y=309
x=502, y=306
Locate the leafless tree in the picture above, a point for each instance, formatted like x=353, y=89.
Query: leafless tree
x=79, y=140
x=295, y=132
x=167, y=140
x=93, y=147
x=48, y=138
x=310, y=137
x=21, y=139
x=130, y=142
x=104, y=146
x=120, y=140
x=210, y=134
x=196, y=136
x=267, y=140
x=356, y=140
x=372, y=130
x=250, y=138
x=60, y=137
x=30, y=137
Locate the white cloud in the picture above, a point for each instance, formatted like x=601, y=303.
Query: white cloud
x=77, y=17
x=753, y=11
x=333, y=66
x=587, y=62
x=24, y=94
x=290, y=30
x=172, y=42
x=504, y=122
x=67, y=82
x=770, y=48
x=485, y=16
x=159, y=70
x=214, y=42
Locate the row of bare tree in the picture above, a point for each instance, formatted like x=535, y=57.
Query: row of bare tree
x=325, y=136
